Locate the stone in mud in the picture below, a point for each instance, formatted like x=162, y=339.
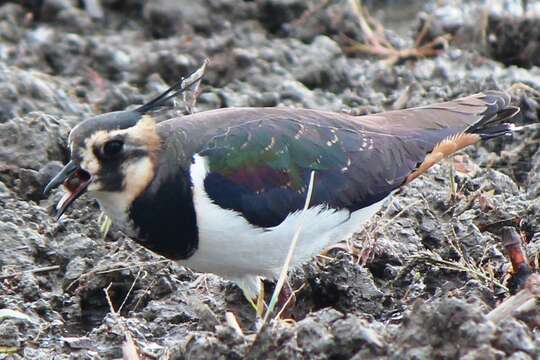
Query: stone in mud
x=274, y=14
x=514, y=40
x=10, y=337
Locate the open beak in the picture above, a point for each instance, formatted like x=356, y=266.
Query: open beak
x=75, y=181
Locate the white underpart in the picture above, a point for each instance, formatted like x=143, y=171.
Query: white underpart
x=236, y=250
x=116, y=207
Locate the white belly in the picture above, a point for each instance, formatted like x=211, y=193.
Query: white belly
x=233, y=248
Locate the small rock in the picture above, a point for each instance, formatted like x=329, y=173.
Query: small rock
x=352, y=335
x=78, y=342
x=74, y=269
x=513, y=336
x=52, y=8
x=29, y=287
x=73, y=245
x=274, y=14
x=9, y=335
x=314, y=338
x=485, y=352
x=168, y=18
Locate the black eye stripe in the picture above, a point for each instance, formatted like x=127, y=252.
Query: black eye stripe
x=116, y=150
x=138, y=153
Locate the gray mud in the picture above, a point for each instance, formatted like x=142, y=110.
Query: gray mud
x=389, y=296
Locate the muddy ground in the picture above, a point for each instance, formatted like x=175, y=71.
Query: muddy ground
x=417, y=282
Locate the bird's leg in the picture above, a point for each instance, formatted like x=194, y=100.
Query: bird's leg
x=286, y=301
x=512, y=242
x=452, y=178
x=257, y=302
x=261, y=305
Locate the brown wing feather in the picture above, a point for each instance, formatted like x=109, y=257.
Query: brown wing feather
x=474, y=117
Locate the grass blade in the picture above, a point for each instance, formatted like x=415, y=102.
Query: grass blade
x=287, y=263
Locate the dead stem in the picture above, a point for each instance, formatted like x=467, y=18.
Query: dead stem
x=378, y=44
x=524, y=87
x=113, y=268
x=524, y=300
x=129, y=349
x=230, y=318
x=192, y=84
x=433, y=258
x=289, y=300
x=309, y=13
x=31, y=271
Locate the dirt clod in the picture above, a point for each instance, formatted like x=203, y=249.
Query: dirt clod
x=418, y=280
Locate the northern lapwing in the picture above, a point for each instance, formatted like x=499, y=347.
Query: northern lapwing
x=221, y=191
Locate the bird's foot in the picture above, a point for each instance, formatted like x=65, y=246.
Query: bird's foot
x=513, y=244
x=286, y=302
x=284, y=306
x=256, y=302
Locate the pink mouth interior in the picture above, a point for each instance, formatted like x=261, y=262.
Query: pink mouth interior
x=75, y=185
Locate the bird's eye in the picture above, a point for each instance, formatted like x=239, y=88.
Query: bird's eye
x=112, y=148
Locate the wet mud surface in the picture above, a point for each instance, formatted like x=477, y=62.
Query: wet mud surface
x=416, y=282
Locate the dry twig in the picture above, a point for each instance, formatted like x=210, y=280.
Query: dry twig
x=462, y=265
x=524, y=87
x=289, y=300
x=31, y=271
x=113, y=268
x=310, y=12
x=129, y=349
x=378, y=44
x=233, y=323
x=524, y=300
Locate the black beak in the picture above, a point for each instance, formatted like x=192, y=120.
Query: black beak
x=59, y=179
x=75, y=180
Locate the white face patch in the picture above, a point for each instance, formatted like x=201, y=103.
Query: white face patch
x=138, y=175
x=90, y=163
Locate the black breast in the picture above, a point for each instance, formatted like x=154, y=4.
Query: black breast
x=165, y=217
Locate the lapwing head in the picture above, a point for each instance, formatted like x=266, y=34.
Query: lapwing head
x=112, y=158
x=113, y=155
